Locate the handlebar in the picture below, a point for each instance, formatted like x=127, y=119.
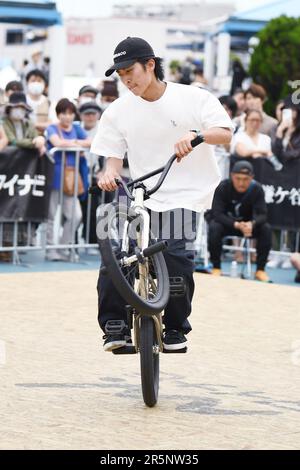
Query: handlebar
x=164, y=170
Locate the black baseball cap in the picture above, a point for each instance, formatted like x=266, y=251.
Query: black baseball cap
x=90, y=107
x=88, y=89
x=243, y=167
x=128, y=52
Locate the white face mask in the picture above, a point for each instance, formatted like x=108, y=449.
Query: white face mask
x=104, y=105
x=85, y=99
x=17, y=114
x=36, y=88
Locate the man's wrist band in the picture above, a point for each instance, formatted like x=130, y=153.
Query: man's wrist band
x=198, y=134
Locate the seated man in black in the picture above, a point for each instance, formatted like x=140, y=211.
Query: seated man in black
x=239, y=208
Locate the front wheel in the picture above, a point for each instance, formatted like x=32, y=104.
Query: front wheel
x=145, y=283
x=149, y=352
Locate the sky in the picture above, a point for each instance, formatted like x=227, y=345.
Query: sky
x=104, y=7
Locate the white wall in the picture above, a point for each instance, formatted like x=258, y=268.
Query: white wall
x=107, y=33
x=101, y=37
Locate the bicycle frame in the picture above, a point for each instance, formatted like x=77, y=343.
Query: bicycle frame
x=138, y=206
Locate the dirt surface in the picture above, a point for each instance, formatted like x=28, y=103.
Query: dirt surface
x=236, y=388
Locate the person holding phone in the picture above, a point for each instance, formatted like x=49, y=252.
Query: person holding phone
x=286, y=142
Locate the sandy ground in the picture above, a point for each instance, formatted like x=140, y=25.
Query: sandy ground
x=236, y=388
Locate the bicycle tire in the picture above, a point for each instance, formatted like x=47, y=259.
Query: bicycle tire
x=149, y=361
x=149, y=306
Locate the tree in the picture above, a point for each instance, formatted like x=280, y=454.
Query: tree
x=275, y=61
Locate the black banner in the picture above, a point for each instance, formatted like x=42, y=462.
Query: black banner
x=282, y=191
x=25, y=185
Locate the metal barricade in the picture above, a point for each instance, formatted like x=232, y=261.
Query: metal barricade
x=41, y=244
x=15, y=247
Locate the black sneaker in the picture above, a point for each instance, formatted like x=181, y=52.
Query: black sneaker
x=112, y=342
x=174, y=340
x=117, y=335
x=297, y=277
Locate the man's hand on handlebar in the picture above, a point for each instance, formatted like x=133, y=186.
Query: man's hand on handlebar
x=183, y=147
x=106, y=180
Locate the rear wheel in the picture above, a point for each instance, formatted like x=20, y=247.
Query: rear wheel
x=149, y=352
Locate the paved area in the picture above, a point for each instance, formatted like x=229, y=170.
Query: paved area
x=236, y=388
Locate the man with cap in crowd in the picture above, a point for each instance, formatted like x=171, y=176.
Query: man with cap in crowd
x=86, y=94
x=239, y=209
x=151, y=122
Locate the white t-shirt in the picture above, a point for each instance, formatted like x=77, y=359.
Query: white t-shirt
x=148, y=131
x=241, y=137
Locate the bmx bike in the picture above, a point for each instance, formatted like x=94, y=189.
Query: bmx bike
x=134, y=260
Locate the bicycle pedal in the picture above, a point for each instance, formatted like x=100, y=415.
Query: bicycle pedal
x=114, y=327
x=124, y=350
x=175, y=351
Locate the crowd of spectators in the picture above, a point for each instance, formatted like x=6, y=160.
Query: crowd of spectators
x=26, y=122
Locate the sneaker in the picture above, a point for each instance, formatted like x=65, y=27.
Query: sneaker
x=112, y=342
x=274, y=262
x=117, y=335
x=93, y=252
x=174, y=340
x=53, y=255
x=216, y=272
x=262, y=276
x=68, y=256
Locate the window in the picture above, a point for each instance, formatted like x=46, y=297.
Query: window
x=14, y=36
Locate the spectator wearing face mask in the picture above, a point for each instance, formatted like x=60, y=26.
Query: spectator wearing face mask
x=10, y=88
x=86, y=94
x=20, y=132
x=18, y=128
x=36, y=83
x=109, y=93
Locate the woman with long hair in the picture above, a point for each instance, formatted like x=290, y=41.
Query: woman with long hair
x=286, y=143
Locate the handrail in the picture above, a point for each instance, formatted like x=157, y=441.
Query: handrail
x=68, y=149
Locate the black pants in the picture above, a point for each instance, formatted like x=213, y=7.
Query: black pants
x=179, y=258
x=217, y=231
x=95, y=202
